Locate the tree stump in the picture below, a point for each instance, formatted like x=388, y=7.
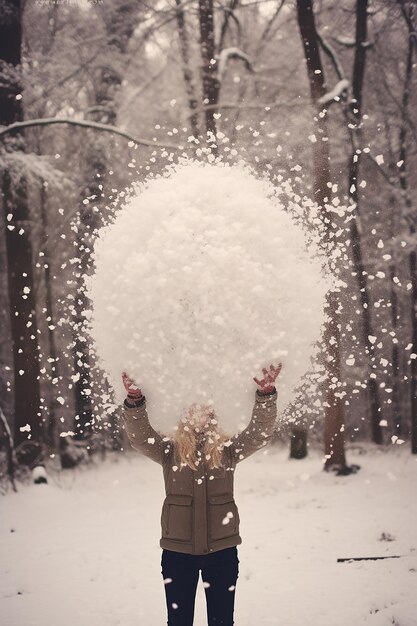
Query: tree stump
x=298, y=449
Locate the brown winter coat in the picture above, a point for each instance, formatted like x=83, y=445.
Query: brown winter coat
x=199, y=514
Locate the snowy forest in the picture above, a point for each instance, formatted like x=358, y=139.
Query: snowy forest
x=318, y=97
x=94, y=95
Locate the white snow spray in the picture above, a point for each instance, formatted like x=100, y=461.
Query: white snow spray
x=202, y=279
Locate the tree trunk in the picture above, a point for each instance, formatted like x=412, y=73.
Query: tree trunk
x=186, y=68
x=355, y=121
x=8, y=440
x=395, y=360
x=211, y=85
x=255, y=56
x=397, y=422
x=50, y=407
x=413, y=366
x=396, y=406
x=89, y=221
x=334, y=424
x=51, y=428
x=18, y=241
x=120, y=21
x=298, y=447
x=408, y=14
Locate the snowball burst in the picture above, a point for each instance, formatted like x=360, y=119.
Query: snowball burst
x=201, y=280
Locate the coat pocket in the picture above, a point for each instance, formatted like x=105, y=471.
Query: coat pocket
x=223, y=516
x=177, y=518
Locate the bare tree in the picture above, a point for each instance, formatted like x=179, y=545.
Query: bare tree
x=210, y=81
x=353, y=113
x=120, y=20
x=334, y=419
x=186, y=67
x=355, y=127
x=50, y=352
x=18, y=237
x=407, y=9
x=8, y=438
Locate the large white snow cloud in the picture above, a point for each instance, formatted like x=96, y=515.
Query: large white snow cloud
x=202, y=279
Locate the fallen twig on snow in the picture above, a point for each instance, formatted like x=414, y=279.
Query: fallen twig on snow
x=369, y=558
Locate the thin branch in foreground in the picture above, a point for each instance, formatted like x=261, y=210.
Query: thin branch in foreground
x=5, y=130
x=10, y=450
x=369, y=558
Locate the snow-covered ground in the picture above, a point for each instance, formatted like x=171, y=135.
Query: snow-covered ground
x=83, y=550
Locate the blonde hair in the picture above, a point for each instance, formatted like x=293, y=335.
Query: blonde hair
x=199, y=420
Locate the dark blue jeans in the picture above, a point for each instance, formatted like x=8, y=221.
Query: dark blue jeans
x=219, y=571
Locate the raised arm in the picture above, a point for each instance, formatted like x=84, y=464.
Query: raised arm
x=142, y=436
x=259, y=430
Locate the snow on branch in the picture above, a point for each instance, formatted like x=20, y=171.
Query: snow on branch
x=232, y=53
x=48, y=121
x=335, y=93
x=350, y=42
x=35, y=168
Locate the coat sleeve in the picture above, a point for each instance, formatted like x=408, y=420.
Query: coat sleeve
x=259, y=430
x=142, y=436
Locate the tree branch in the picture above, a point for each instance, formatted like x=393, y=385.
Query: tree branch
x=408, y=17
x=93, y=125
x=265, y=34
x=65, y=79
x=380, y=169
x=232, y=53
x=229, y=13
x=335, y=94
x=10, y=449
x=237, y=105
x=327, y=49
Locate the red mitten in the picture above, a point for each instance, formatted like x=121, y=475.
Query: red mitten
x=132, y=389
x=267, y=383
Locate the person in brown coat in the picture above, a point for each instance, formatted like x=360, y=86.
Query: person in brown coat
x=200, y=519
